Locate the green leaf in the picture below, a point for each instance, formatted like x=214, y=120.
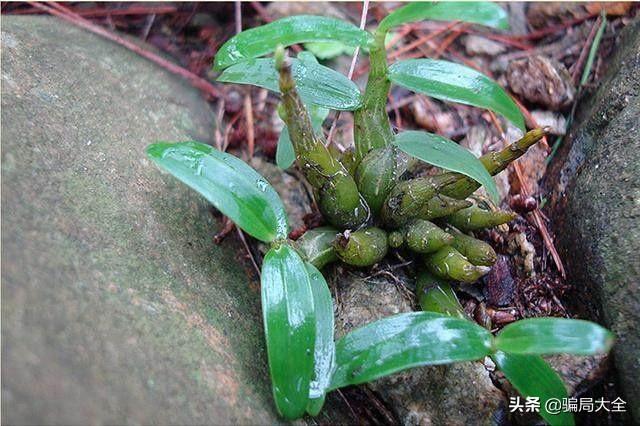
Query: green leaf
x=546, y=336
x=483, y=13
x=316, y=246
x=329, y=49
x=456, y=83
x=315, y=83
x=325, y=349
x=533, y=377
x=232, y=186
x=290, y=328
x=307, y=57
x=407, y=340
x=436, y=295
x=262, y=40
x=444, y=153
x=285, y=154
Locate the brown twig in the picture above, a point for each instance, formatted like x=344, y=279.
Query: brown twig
x=499, y=37
x=448, y=41
x=422, y=39
x=262, y=99
x=227, y=130
x=238, y=17
x=248, y=110
x=248, y=249
x=382, y=409
x=346, y=401
x=261, y=10
x=548, y=242
x=64, y=13
x=103, y=12
x=217, y=135
x=577, y=67
x=227, y=227
x=406, y=29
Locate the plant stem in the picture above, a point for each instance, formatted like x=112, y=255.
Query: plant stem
x=372, y=127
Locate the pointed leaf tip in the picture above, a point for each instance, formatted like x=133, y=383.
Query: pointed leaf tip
x=484, y=13
x=546, y=336
x=453, y=82
x=289, y=317
x=231, y=185
x=533, y=377
x=403, y=341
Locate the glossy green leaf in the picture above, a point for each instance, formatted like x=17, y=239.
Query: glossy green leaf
x=285, y=153
x=533, y=377
x=329, y=49
x=262, y=40
x=436, y=295
x=308, y=57
x=288, y=312
x=316, y=84
x=483, y=13
x=442, y=299
x=456, y=83
x=232, y=186
x=407, y=340
x=444, y=153
x=325, y=350
x=316, y=246
x=546, y=336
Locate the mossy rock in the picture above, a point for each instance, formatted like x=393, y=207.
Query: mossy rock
x=594, y=197
x=117, y=306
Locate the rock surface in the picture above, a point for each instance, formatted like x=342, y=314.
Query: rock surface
x=117, y=307
x=595, y=188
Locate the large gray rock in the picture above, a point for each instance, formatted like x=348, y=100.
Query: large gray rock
x=595, y=184
x=117, y=307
